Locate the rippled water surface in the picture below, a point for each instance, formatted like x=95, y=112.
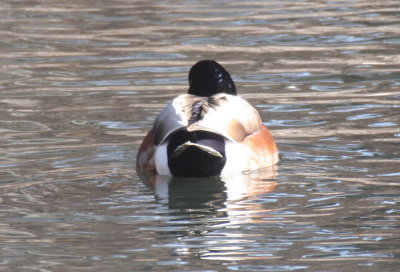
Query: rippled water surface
x=82, y=81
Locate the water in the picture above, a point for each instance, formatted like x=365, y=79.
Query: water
x=82, y=81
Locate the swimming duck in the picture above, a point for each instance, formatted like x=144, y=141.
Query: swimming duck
x=210, y=131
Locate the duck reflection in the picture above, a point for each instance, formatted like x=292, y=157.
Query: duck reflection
x=211, y=193
x=194, y=193
x=207, y=214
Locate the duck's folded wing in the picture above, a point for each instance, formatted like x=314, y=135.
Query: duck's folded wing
x=175, y=116
x=229, y=116
x=224, y=114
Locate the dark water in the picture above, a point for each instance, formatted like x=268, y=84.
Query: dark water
x=82, y=81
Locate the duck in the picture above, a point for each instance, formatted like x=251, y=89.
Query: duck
x=208, y=132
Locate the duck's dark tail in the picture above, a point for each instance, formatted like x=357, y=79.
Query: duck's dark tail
x=196, y=154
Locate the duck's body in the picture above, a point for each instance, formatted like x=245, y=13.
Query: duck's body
x=208, y=132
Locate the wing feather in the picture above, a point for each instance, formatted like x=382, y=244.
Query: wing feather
x=224, y=114
x=175, y=116
x=231, y=116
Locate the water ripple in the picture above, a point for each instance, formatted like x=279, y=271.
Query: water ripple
x=81, y=83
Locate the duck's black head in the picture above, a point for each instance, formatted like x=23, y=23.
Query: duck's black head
x=208, y=77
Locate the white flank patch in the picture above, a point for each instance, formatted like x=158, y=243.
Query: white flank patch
x=161, y=160
x=236, y=158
